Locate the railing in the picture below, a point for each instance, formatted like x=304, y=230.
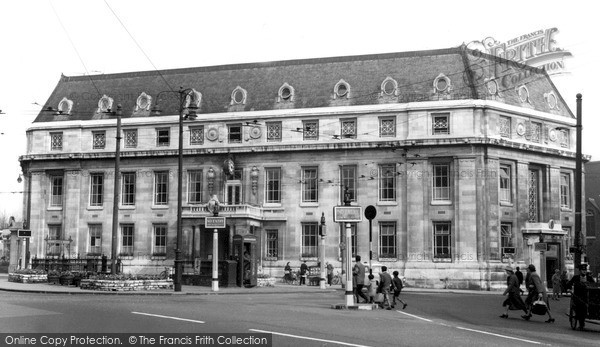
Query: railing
x=243, y=210
x=97, y=264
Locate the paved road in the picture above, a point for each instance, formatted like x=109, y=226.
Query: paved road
x=295, y=319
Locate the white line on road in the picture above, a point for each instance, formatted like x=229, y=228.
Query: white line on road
x=499, y=335
x=306, y=338
x=169, y=317
x=412, y=315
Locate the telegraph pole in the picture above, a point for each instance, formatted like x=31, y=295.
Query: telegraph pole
x=578, y=193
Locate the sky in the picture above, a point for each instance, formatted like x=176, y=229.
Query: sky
x=42, y=39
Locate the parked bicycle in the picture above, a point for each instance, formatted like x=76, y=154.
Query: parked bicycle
x=336, y=279
x=290, y=278
x=167, y=273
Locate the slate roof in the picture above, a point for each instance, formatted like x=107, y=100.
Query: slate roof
x=313, y=81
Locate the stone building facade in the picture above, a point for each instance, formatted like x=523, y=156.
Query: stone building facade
x=468, y=159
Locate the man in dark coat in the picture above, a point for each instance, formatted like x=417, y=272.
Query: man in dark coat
x=579, y=283
x=514, y=301
x=385, y=282
x=358, y=272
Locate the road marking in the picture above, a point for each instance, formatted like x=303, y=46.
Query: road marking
x=169, y=317
x=307, y=338
x=499, y=335
x=412, y=315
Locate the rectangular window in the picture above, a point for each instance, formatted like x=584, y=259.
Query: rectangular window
x=310, y=188
x=387, y=182
x=387, y=239
x=95, y=231
x=56, y=190
x=99, y=139
x=272, y=248
x=441, y=124
x=56, y=141
x=505, y=184
x=96, y=189
x=564, y=138
x=131, y=136
x=441, y=182
x=348, y=180
x=127, y=239
x=235, y=133
x=310, y=247
x=160, y=239
x=161, y=188
x=273, y=131
x=504, y=126
x=506, y=241
x=348, y=129
x=162, y=137
x=54, y=234
x=442, y=237
x=536, y=132
x=387, y=127
x=195, y=187
x=273, y=185
x=197, y=135
x=310, y=129
x=565, y=190
x=128, y=189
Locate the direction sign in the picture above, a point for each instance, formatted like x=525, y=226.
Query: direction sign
x=23, y=233
x=215, y=222
x=347, y=214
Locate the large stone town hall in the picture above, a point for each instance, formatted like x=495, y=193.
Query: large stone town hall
x=468, y=159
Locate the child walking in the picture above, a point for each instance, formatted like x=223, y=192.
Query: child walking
x=373, y=284
x=397, y=281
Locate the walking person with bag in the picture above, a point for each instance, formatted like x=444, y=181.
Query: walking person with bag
x=538, y=297
x=385, y=283
x=513, y=301
x=397, y=283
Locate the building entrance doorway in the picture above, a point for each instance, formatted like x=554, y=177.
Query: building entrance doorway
x=553, y=261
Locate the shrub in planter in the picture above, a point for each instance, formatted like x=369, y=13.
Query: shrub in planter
x=53, y=277
x=66, y=278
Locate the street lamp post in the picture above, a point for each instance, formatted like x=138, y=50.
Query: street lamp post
x=183, y=94
x=115, y=219
x=578, y=187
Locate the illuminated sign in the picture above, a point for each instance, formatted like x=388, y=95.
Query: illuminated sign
x=537, y=49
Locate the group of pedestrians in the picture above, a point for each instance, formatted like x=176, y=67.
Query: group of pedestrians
x=385, y=286
x=537, y=296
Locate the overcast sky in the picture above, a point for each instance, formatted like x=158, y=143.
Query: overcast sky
x=42, y=39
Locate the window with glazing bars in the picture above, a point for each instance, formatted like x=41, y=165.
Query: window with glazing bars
x=128, y=188
x=387, y=239
x=387, y=182
x=310, y=247
x=505, y=184
x=273, y=185
x=96, y=189
x=127, y=239
x=56, y=189
x=348, y=179
x=161, y=188
x=95, y=231
x=442, y=237
x=130, y=138
x=441, y=124
x=195, y=187
x=441, y=182
x=309, y=185
x=272, y=250
x=160, y=239
x=99, y=139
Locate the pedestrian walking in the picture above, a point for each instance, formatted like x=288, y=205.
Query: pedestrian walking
x=537, y=290
x=385, y=283
x=519, y=275
x=564, y=279
x=513, y=301
x=329, y=273
x=358, y=272
x=556, y=285
x=398, y=285
x=580, y=285
x=303, y=273
x=373, y=284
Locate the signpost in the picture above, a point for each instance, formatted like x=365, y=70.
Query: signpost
x=23, y=233
x=348, y=214
x=370, y=214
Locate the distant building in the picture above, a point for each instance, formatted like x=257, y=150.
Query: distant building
x=592, y=216
x=468, y=158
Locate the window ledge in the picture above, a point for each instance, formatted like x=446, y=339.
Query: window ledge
x=441, y=202
x=271, y=204
x=566, y=209
x=442, y=260
x=309, y=258
x=95, y=208
x=160, y=207
x=506, y=204
x=387, y=203
x=309, y=204
x=55, y=208
x=158, y=257
x=127, y=207
x=126, y=257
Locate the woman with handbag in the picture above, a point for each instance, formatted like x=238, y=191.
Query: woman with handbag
x=513, y=301
x=537, y=300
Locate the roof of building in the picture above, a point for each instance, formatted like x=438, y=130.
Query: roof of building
x=465, y=74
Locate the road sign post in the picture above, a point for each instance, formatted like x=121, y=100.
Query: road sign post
x=347, y=215
x=370, y=214
x=216, y=223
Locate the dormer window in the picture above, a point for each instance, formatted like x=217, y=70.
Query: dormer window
x=194, y=98
x=238, y=96
x=286, y=93
x=389, y=87
x=65, y=106
x=342, y=90
x=143, y=102
x=105, y=104
x=442, y=84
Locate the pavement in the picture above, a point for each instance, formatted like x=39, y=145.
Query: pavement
x=278, y=288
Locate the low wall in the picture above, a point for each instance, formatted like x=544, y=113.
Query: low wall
x=125, y=285
x=27, y=278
